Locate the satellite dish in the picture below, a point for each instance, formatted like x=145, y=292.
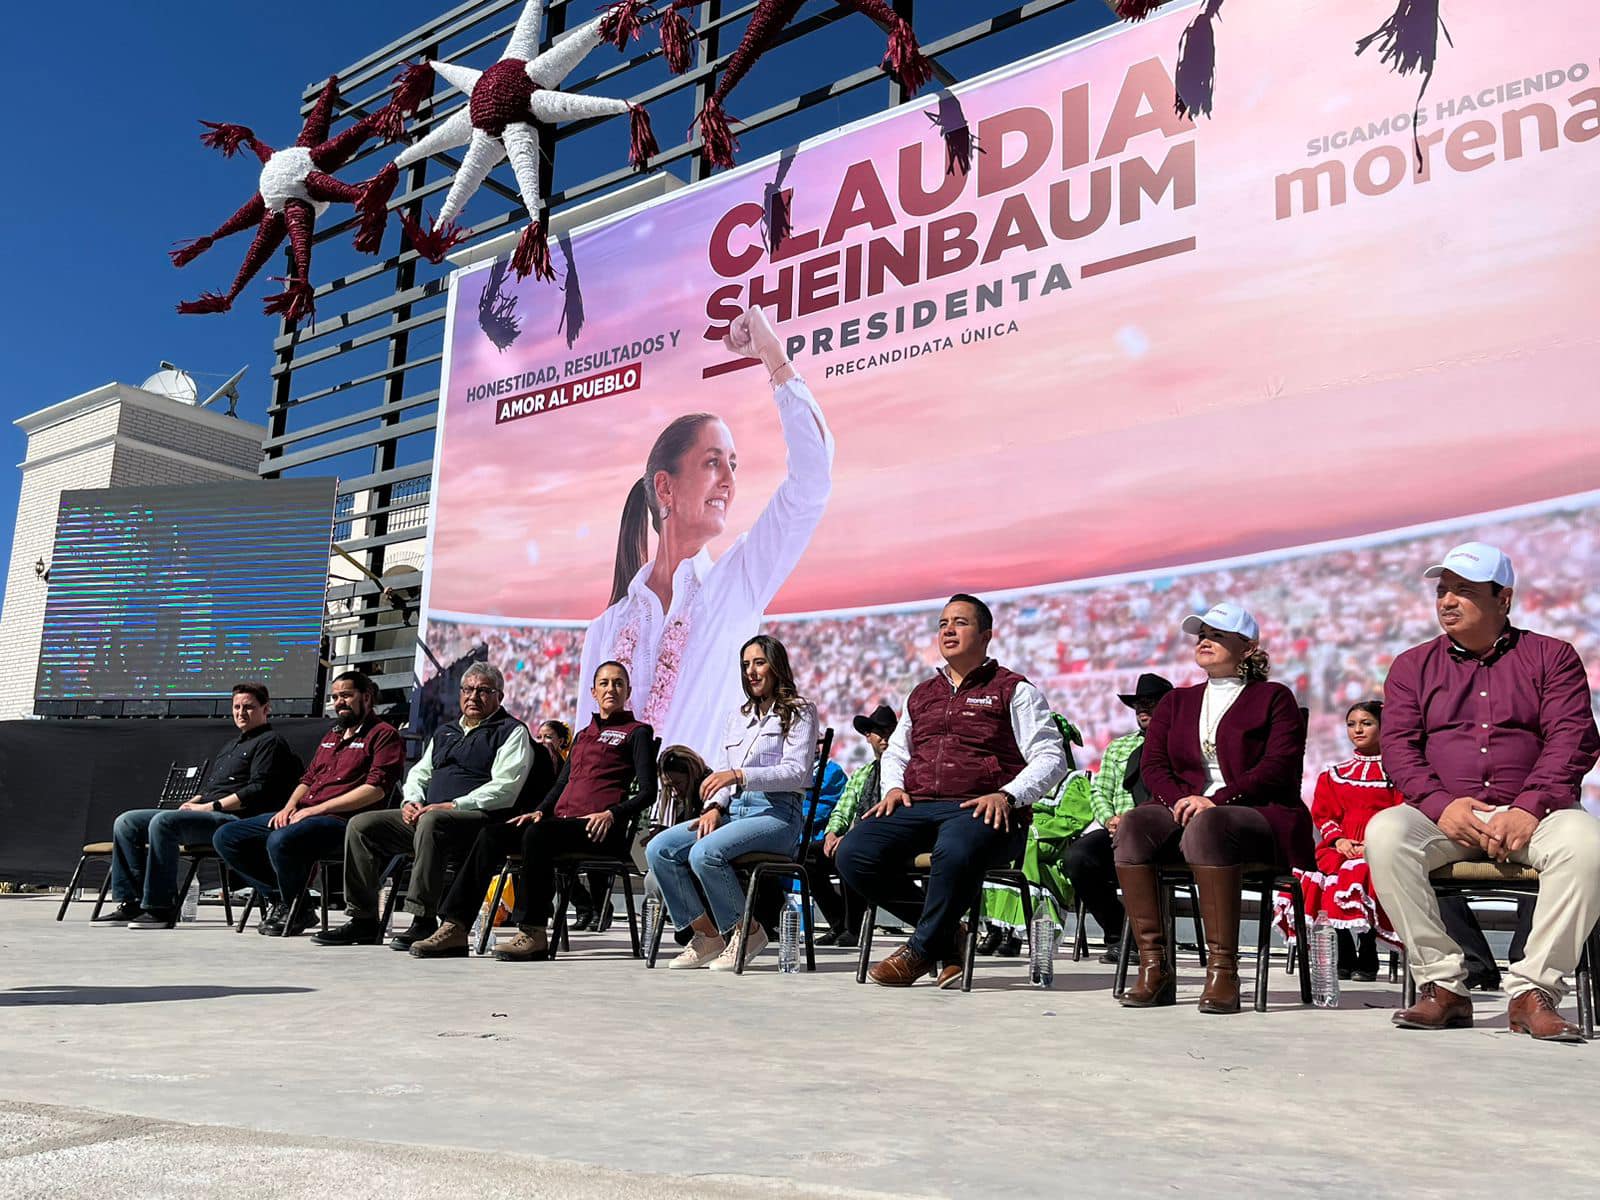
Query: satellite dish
x=174, y=384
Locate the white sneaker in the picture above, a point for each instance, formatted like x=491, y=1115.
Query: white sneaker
x=752, y=944
x=700, y=951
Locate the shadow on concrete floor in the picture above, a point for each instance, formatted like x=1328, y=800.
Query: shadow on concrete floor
x=52, y=994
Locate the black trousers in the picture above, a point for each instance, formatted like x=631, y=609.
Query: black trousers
x=1357, y=952
x=539, y=843
x=1465, y=931
x=874, y=856
x=1089, y=864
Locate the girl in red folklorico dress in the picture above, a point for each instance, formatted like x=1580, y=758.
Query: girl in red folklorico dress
x=1346, y=797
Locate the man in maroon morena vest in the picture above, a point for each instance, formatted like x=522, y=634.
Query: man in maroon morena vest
x=975, y=749
x=591, y=810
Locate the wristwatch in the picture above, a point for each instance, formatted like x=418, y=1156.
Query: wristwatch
x=216, y=806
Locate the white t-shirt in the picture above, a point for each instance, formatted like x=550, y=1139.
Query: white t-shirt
x=716, y=606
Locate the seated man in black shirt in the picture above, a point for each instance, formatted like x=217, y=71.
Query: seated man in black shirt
x=254, y=773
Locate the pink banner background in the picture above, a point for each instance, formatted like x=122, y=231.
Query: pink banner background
x=1400, y=358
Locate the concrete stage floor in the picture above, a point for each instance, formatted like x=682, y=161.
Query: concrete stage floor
x=199, y=1062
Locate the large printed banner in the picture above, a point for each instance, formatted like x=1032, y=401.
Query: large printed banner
x=1123, y=365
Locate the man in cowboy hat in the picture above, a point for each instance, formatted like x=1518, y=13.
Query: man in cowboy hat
x=860, y=793
x=1116, y=789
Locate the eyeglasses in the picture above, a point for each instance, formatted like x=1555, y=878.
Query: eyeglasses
x=478, y=691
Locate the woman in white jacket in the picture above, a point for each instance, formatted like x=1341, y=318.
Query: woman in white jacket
x=675, y=620
x=754, y=801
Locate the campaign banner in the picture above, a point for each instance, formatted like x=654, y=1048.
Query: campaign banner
x=1061, y=347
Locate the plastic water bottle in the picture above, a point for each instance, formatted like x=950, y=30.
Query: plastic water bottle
x=653, y=915
x=789, y=936
x=1324, y=963
x=1042, y=947
x=473, y=938
x=191, y=902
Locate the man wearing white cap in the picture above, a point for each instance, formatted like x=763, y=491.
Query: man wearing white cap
x=1488, y=732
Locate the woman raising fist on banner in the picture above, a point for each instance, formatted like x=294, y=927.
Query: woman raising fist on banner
x=677, y=620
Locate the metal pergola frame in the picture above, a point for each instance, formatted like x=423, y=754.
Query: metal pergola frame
x=383, y=507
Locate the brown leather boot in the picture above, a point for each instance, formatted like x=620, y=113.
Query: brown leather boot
x=1219, y=889
x=1141, y=900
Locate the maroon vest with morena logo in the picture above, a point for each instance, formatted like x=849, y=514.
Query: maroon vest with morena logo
x=962, y=745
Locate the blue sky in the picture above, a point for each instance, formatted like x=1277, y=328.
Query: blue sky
x=106, y=171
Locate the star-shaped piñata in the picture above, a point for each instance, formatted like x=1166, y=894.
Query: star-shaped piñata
x=296, y=187
x=507, y=107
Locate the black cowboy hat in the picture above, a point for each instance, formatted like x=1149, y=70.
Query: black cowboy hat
x=1148, y=690
x=881, y=721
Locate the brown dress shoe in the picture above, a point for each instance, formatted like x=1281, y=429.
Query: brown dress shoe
x=901, y=969
x=1534, y=1012
x=525, y=947
x=449, y=942
x=1436, y=1008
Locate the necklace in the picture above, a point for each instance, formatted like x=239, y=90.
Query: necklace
x=1208, y=724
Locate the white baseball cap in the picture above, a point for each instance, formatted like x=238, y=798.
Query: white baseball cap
x=1229, y=618
x=1478, y=562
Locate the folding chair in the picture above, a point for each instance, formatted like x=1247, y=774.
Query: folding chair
x=182, y=783
x=762, y=866
x=1488, y=878
x=921, y=867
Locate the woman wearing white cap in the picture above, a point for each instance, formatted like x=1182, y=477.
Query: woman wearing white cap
x=1222, y=762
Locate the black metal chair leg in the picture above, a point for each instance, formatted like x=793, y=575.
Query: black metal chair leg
x=322, y=893
x=294, y=905
x=494, y=906
x=1585, y=995
x=1197, y=922
x=1080, y=935
x=100, y=900
x=1594, y=976
x=391, y=876
x=969, y=952
x=558, y=921
x=77, y=874
x=865, y=956
x=756, y=876
x=807, y=921
x=1119, y=981
x=1291, y=958
x=1297, y=901
x=227, y=892
x=1263, y=950
x=633, y=916
x=244, y=917
x=1394, y=966
x=1026, y=892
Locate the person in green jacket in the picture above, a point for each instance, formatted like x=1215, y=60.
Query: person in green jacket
x=861, y=792
x=1057, y=822
x=1115, y=790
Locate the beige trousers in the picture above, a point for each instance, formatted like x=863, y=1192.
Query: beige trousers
x=1403, y=846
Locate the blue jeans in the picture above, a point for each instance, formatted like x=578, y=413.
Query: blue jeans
x=144, y=852
x=278, y=862
x=757, y=821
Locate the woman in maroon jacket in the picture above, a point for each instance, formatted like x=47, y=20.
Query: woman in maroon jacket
x=1222, y=760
